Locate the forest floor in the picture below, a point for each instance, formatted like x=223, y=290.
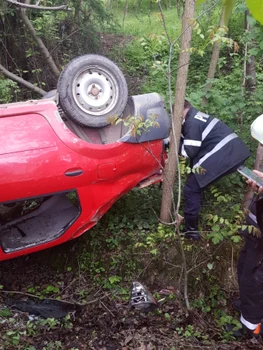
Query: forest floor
x=103, y=322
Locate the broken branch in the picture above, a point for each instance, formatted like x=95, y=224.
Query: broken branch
x=44, y=8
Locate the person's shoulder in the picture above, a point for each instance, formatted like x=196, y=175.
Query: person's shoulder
x=191, y=113
x=194, y=116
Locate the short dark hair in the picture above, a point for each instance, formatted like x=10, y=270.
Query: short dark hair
x=187, y=104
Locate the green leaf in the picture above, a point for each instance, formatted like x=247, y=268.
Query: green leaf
x=216, y=228
x=5, y=313
x=254, y=51
x=167, y=316
x=256, y=9
x=236, y=239
x=215, y=218
x=15, y=339
x=207, y=309
x=154, y=252
x=210, y=266
x=216, y=240
x=114, y=279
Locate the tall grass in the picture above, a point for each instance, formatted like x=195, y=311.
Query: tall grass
x=144, y=20
x=144, y=24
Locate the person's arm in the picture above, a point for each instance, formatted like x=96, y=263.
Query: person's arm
x=181, y=147
x=253, y=184
x=192, y=141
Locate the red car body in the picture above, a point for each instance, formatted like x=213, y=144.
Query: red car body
x=40, y=157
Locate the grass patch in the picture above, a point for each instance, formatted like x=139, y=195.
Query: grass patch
x=143, y=23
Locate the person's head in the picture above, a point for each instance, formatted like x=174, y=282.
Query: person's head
x=187, y=106
x=257, y=129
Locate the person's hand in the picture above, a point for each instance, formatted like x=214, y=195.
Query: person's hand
x=253, y=184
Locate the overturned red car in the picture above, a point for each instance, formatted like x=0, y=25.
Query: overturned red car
x=59, y=175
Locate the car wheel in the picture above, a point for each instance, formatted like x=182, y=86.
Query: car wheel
x=91, y=89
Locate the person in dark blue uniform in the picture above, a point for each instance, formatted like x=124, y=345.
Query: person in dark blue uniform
x=250, y=264
x=214, y=151
x=250, y=274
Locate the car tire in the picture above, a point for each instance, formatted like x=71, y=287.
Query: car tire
x=91, y=89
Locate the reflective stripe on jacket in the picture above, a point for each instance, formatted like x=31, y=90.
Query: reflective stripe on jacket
x=212, y=145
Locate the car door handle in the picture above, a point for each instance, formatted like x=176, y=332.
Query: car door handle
x=76, y=172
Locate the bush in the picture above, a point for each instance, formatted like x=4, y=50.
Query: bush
x=8, y=90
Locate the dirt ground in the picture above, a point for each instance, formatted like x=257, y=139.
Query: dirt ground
x=103, y=322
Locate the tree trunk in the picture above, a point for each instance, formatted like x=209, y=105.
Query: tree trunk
x=250, y=85
x=170, y=170
x=213, y=62
x=250, y=79
x=178, y=8
x=125, y=12
x=39, y=42
x=251, y=74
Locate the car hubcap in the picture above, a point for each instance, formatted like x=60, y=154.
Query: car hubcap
x=95, y=91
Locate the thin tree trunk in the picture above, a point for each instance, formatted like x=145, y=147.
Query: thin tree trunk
x=125, y=11
x=258, y=165
x=181, y=80
x=259, y=158
x=249, y=87
x=250, y=68
x=178, y=8
x=21, y=81
x=39, y=42
x=251, y=74
x=213, y=63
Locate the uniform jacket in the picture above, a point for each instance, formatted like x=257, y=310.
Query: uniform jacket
x=212, y=145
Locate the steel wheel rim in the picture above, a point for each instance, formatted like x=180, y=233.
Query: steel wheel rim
x=95, y=91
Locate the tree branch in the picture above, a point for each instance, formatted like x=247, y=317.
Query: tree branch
x=21, y=81
x=44, y=8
